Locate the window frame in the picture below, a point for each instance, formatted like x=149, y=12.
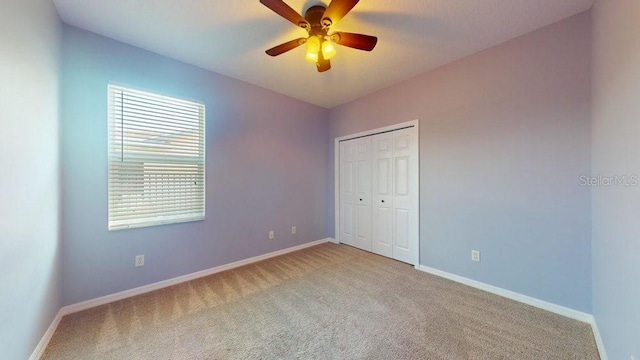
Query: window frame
x=156, y=192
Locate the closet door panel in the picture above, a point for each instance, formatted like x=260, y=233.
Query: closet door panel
x=347, y=193
x=382, y=194
x=402, y=195
x=363, y=193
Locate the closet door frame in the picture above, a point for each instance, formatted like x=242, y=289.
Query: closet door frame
x=415, y=184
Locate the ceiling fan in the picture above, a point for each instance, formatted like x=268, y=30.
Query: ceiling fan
x=317, y=21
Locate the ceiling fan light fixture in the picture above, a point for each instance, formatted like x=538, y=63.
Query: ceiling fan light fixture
x=313, y=48
x=317, y=21
x=312, y=57
x=328, y=50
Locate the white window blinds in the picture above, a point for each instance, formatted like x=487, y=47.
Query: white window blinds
x=156, y=159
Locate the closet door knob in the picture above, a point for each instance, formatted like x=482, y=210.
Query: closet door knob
x=360, y=199
x=382, y=200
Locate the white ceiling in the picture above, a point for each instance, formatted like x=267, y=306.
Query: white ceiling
x=229, y=37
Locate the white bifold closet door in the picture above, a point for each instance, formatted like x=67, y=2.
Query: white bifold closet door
x=378, y=194
x=392, y=210
x=355, y=193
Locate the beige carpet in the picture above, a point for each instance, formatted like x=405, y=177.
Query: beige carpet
x=325, y=302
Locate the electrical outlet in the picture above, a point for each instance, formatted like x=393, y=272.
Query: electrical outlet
x=272, y=235
x=294, y=229
x=475, y=255
x=139, y=260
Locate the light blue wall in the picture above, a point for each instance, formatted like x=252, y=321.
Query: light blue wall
x=616, y=152
x=30, y=40
x=504, y=138
x=267, y=156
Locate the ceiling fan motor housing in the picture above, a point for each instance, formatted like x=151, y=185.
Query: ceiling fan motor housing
x=314, y=17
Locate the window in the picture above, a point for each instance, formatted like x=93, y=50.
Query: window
x=156, y=159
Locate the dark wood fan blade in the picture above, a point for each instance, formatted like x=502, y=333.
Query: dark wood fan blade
x=356, y=41
x=283, y=48
x=284, y=10
x=336, y=10
x=322, y=64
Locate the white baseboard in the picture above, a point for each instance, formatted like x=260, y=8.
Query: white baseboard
x=561, y=310
x=599, y=342
x=541, y=304
x=42, y=345
x=73, y=308
x=70, y=309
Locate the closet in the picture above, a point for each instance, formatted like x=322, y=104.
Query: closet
x=378, y=192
